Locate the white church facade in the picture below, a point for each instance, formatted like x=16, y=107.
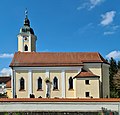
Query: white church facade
x=56, y=74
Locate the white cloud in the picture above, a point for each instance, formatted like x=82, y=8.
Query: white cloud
x=94, y=3
x=87, y=27
x=112, y=29
x=5, y=55
x=114, y=54
x=107, y=18
x=84, y=5
x=108, y=33
x=90, y=4
x=115, y=27
x=6, y=71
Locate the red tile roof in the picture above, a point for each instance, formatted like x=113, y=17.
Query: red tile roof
x=43, y=59
x=84, y=73
x=60, y=100
x=8, y=84
x=6, y=80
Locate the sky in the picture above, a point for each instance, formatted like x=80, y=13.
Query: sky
x=61, y=26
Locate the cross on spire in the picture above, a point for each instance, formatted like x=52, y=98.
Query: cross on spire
x=26, y=21
x=26, y=13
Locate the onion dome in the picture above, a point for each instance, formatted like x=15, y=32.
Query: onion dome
x=26, y=22
x=26, y=28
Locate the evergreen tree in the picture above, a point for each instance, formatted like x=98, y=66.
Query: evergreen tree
x=116, y=82
x=118, y=64
x=113, y=70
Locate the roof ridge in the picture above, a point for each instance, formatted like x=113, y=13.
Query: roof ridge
x=56, y=52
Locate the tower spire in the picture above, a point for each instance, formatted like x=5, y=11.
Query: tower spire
x=26, y=13
x=26, y=21
x=26, y=37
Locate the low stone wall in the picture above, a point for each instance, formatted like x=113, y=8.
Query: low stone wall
x=56, y=113
x=59, y=106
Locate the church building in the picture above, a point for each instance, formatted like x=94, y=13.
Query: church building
x=56, y=74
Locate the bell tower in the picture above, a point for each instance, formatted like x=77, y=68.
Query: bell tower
x=26, y=37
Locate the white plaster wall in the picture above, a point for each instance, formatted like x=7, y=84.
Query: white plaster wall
x=58, y=106
x=106, y=90
x=92, y=87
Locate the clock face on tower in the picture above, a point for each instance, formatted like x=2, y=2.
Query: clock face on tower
x=25, y=38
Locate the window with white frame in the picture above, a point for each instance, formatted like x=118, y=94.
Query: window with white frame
x=22, y=84
x=26, y=48
x=70, y=83
x=39, y=83
x=87, y=94
x=55, y=83
x=87, y=82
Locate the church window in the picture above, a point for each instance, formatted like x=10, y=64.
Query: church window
x=22, y=84
x=26, y=48
x=70, y=83
x=39, y=83
x=55, y=83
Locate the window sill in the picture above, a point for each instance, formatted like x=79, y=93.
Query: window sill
x=21, y=90
x=39, y=90
x=71, y=89
x=55, y=89
x=88, y=97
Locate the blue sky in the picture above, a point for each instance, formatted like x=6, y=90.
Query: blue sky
x=62, y=26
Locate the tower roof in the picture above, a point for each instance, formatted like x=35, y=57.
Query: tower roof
x=26, y=28
x=26, y=21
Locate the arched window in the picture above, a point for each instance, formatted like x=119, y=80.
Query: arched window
x=70, y=83
x=55, y=83
x=22, y=84
x=26, y=48
x=39, y=83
